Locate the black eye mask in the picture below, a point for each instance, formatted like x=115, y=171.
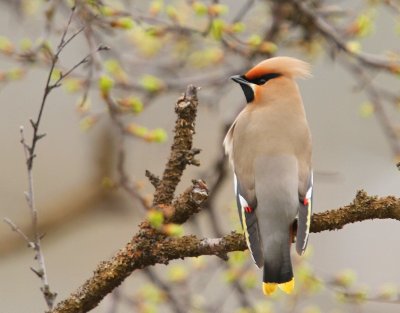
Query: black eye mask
x=244, y=83
x=261, y=80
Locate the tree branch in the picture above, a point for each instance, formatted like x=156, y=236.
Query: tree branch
x=363, y=207
x=148, y=248
x=181, y=149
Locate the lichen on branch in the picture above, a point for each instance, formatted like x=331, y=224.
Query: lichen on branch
x=181, y=149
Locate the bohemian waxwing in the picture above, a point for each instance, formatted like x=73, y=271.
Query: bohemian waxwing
x=269, y=147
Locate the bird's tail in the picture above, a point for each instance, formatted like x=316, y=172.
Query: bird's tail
x=278, y=272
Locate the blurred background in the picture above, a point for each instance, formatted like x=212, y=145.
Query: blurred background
x=89, y=174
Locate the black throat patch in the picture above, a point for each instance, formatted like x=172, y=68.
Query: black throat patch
x=248, y=92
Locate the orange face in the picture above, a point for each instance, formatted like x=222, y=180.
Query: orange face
x=266, y=70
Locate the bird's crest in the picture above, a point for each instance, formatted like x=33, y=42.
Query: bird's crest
x=285, y=66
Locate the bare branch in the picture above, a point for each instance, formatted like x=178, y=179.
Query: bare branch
x=362, y=208
x=330, y=34
x=29, y=152
x=155, y=180
x=180, y=157
x=15, y=228
x=173, y=301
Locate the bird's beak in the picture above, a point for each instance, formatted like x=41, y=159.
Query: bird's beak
x=239, y=79
x=246, y=86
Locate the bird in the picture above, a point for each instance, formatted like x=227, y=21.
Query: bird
x=270, y=149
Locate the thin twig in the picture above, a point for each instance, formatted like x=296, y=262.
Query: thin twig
x=29, y=152
x=15, y=228
x=174, y=303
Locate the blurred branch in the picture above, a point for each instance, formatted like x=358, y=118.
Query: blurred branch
x=376, y=97
x=174, y=303
x=333, y=36
x=361, y=61
x=30, y=154
x=29, y=151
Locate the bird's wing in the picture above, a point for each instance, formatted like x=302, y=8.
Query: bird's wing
x=304, y=218
x=248, y=218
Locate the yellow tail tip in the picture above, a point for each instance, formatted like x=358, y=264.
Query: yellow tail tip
x=269, y=288
x=287, y=287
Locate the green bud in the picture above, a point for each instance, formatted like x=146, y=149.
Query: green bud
x=155, y=218
x=106, y=83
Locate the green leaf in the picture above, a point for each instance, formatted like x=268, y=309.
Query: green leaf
x=134, y=104
x=72, y=84
x=158, y=135
x=238, y=27
x=345, y=278
x=250, y=279
x=206, y=57
x=15, y=73
x=177, y=273
x=237, y=258
x=113, y=67
x=173, y=230
x=151, y=293
x=151, y=83
x=268, y=47
x=388, y=292
x=217, y=27
x=230, y=275
x=364, y=24
x=31, y=7
x=87, y=122
x=106, y=83
x=200, y=8
x=6, y=46
x=366, y=109
x=109, y=11
x=156, y=6
x=172, y=13
x=199, y=262
x=108, y=183
x=218, y=9
x=147, y=41
x=55, y=75
x=25, y=44
x=353, y=46
x=254, y=40
x=123, y=23
x=137, y=130
x=155, y=218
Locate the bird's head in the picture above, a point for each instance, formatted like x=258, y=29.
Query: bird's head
x=261, y=78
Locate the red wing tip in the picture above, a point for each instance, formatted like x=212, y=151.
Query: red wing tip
x=248, y=209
